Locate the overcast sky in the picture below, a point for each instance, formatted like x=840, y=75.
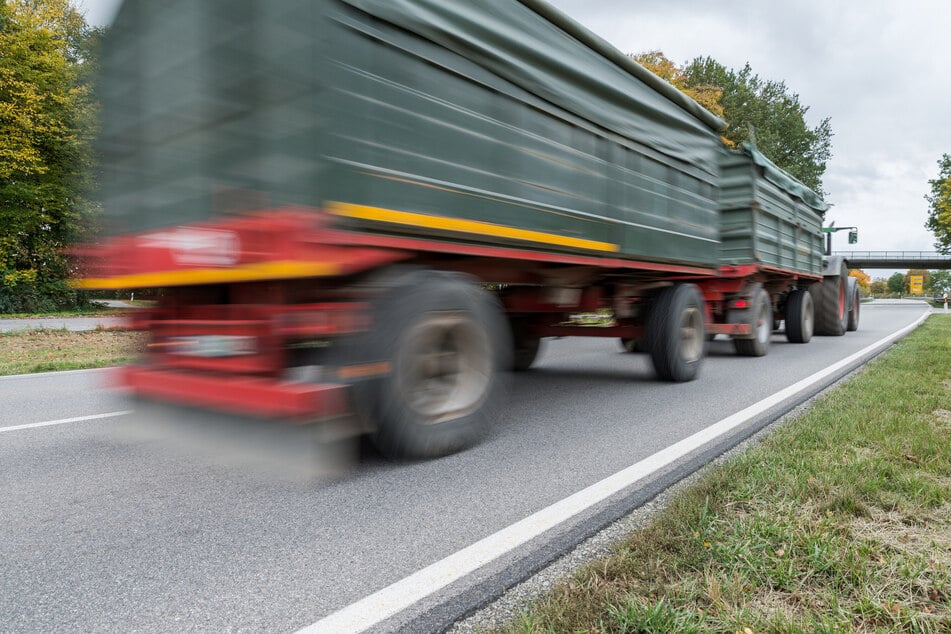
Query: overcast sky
x=879, y=69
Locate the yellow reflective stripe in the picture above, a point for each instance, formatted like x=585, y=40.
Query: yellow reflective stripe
x=463, y=226
x=185, y=277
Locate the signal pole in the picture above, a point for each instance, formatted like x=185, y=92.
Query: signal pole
x=853, y=235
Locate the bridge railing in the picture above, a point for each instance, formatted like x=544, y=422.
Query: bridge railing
x=896, y=259
x=894, y=255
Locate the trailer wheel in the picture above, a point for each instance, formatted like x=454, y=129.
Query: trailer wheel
x=799, y=316
x=830, y=300
x=853, y=321
x=675, y=332
x=761, y=321
x=525, y=345
x=445, y=342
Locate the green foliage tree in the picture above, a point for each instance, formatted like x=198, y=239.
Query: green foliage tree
x=941, y=281
x=773, y=114
x=896, y=283
x=46, y=127
x=939, y=201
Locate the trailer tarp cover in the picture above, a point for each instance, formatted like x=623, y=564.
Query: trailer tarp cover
x=782, y=179
x=565, y=64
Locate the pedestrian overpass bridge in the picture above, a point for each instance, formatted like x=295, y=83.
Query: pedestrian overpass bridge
x=896, y=259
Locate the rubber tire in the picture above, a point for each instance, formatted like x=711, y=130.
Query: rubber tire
x=800, y=316
x=830, y=302
x=673, y=361
x=525, y=347
x=408, y=306
x=852, y=323
x=761, y=320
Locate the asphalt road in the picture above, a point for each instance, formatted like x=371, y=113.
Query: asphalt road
x=60, y=323
x=102, y=530
x=68, y=323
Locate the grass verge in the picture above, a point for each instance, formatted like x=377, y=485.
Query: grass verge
x=840, y=521
x=48, y=350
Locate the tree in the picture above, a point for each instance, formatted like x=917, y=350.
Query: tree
x=939, y=201
x=864, y=279
x=941, y=281
x=46, y=114
x=878, y=287
x=707, y=95
x=767, y=110
x=896, y=283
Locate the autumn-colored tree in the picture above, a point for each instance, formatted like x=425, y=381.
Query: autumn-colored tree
x=864, y=279
x=46, y=115
x=767, y=110
x=707, y=95
x=939, y=201
x=878, y=287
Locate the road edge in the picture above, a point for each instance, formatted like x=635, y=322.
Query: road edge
x=414, y=604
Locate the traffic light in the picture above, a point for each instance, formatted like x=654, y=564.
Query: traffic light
x=853, y=236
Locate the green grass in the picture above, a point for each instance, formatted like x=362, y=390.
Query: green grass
x=840, y=521
x=49, y=350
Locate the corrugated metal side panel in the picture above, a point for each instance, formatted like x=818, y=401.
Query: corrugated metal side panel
x=420, y=128
x=214, y=106
x=760, y=223
x=209, y=107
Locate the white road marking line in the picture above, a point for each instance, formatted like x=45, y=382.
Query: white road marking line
x=64, y=421
x=383, y=604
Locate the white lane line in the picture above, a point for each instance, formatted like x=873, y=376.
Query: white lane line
x=379, y=606
x=64, y=421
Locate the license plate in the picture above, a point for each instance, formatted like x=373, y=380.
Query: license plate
x=214, y=346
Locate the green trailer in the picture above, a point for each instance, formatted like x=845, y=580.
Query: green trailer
x=377, y=207
x=386, y=113
x=768, y=217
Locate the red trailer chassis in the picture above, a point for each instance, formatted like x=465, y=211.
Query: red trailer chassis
x=245, y=299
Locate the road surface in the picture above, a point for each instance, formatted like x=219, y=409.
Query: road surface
x=104, y=530
x=60, y=323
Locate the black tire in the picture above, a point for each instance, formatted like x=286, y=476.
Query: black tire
x=525, y=345
x=446, y=343
x=830, y=300
x=761, y=322
x=800, y=315
x=675, y=332
x=852, y=323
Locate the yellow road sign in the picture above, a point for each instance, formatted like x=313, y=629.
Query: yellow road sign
x=915, y=284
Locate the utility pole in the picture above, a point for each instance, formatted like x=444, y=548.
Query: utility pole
x=853, y=235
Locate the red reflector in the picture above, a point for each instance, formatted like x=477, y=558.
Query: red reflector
x=741, y=303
